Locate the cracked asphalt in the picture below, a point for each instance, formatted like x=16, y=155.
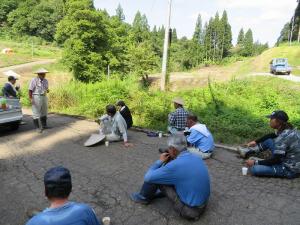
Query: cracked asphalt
x=104, y=176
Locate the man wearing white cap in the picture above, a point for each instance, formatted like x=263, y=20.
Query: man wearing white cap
x=38, y=90
x=177, y=119
x=9, y=89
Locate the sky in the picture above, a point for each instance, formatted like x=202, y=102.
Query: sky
x=266, y=18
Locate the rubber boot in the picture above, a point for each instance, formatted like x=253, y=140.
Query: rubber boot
x=44, y=122
x=37, y=125
x=245, y=152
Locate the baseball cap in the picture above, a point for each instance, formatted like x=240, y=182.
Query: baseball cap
x=280, y=115
x=57, y=176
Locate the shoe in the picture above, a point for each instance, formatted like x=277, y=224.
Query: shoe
x=36, y=124
x=138, y=198
x=245, y=152
x=44, y=122
x=159, y=194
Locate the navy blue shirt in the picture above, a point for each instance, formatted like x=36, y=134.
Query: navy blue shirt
x=70, y=213
x=187, y=173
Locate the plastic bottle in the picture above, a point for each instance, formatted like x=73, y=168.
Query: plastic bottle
x=3, y=103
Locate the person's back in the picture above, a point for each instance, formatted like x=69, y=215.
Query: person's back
x=58, y=186
x=192, y=179
x=69, y=214
x=126, y=114
x=188, y=174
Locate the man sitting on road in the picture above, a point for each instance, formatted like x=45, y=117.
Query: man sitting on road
x=180, y=176
x=9, y=90
x=284, y=145
x=58, y=186
x=177, y=119
x=125, y=112
x=199, y=138
x=113, y=126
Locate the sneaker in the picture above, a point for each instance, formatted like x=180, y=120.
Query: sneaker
x=255, y=158
x=138, y=198
x=243, y=151
x=246, y=151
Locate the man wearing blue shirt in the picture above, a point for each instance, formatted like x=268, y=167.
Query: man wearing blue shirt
x=199, y=138
x=58, y=187
x=180, y=176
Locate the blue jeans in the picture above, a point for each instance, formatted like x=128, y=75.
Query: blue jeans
x=192, y=213
x=267, y=145
x=278, y=170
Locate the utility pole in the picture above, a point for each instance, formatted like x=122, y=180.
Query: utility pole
x=166, y=45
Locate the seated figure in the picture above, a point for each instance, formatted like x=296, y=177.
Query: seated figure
x=284, y=145
x=180, y=176
x=58, y=186
x=200, y=140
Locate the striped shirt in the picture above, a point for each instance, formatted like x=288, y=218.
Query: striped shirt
x=38, y=86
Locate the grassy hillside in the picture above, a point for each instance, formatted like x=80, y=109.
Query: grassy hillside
x=261, y=63
x=24, y=52
x=232, y=70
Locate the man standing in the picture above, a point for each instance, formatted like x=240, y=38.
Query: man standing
x=9, y=89
x=113, y=126
x=38, y=90
x=58, y=186
x=200, y=138
x=179, y=175
x=125, y=112
x=177, y=119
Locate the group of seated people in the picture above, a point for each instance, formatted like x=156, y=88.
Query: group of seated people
x=180, y=173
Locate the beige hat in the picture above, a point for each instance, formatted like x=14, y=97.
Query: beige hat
x=178, y=101
x=94, y=139
x=41, y=71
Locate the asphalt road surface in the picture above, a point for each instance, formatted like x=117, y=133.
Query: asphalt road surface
x=104, y=177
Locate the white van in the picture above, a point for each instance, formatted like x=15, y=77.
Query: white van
x=11, y=116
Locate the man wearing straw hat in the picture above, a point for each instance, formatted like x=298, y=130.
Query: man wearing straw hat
x=177, y=119
x=38, y=90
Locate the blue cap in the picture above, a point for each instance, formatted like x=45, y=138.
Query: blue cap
x=57, y=176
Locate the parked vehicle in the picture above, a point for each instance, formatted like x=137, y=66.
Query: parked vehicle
x=280, y=66
x=10, y=113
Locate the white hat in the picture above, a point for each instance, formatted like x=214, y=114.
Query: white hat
x=41, y=71
x=178, y=101
x=11, y=73
x=94, y=139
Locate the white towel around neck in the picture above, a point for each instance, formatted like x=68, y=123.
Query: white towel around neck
x=201, y=128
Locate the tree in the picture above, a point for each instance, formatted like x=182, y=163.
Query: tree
x=6, y=7
x=37, y=18
x=284, y=34
x=227, y=35
x=120, y=13
x=87, y=45
x=241, y=37
x=142, y=59
x=248, y=47
x=140, y=28
x=198, y=31
x=174, y=35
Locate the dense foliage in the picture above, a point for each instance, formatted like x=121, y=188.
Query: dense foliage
x=234, y=111
x=96, y=43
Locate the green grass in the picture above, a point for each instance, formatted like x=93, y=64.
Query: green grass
x=22, y=52
x=235, y=114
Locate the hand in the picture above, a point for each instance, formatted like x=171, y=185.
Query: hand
x=127, y=144
x=250, y=163
x=252, y=144
x=164, y=157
